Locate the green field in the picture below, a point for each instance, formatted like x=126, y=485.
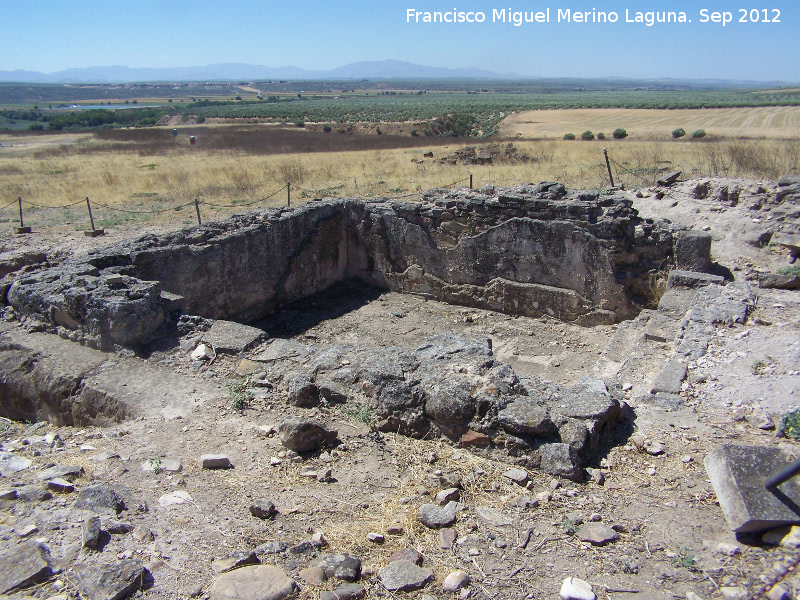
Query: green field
x=452, y=109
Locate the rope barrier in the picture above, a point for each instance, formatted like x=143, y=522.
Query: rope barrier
x=9, y=204
x=144, y=212
x=45, y=206
x=196, y=203
x=245, y=203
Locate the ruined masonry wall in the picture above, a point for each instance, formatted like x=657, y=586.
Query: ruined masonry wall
x=528, y=250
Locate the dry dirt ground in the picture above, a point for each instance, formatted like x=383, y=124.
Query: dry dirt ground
x=669, y=522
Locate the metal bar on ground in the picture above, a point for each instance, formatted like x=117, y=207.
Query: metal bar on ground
x=783, y=475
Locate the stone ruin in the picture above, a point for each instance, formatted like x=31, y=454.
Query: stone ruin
x=531, y=250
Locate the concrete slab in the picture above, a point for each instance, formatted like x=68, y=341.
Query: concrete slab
x=232, y=338
x=737, y=474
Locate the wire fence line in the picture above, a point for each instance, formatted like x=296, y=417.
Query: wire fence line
x=619, y=171
x=21, y=202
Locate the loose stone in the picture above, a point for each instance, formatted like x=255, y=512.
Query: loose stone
x=455, y=581
x=215, y=461
x=404, y=576
x=576, y=589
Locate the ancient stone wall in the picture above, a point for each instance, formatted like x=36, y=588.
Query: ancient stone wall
x=528, y=250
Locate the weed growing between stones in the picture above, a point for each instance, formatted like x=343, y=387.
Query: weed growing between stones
x=762, y=366
x=656, y=286
x=793, y=270
x=790, y=424
x=155, y=463
x=684, y=559
x=358, y=412
x=569, y=527
x=237, y=392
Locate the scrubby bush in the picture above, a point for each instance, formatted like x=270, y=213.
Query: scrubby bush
x=327, y=128
x=587, y=136
x=679, y=132
x=299, y=123
x=700, y=133
x=620, y=134
x=569, y=136
x=601, y=136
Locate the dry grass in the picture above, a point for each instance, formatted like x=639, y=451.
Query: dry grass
x=771, y=122
x=153, y=171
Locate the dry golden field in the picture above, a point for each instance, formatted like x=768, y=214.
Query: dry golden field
x=235, y=169
x=781, y=122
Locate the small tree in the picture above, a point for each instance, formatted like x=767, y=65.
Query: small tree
x=700, y=133
x=620, y=134
x=679, y=132
x=569, y=136
x=327, y=128
x=587, y=136
x=601, y=136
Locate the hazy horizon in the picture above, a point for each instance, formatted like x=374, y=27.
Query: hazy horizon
x=320, y=36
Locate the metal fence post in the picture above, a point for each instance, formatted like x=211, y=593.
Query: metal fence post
x=92, y=232
x=21, y=228
x=608, y=166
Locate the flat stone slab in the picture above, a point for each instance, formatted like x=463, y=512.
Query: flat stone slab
x=404, y=576
x=692, y=279
x=597, y=534
x=493, y=517
x=68, y=472
x=110, y=582
x=23, y=565
x=261, y=582
x=232, y=338
x=737, y=475
x=670, y=378
x=11, y=463
x=779, y=281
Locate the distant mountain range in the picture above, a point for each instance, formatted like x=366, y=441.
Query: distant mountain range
x=383, y=69
x=376, y=69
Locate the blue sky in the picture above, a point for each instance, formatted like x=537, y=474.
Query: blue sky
x=323, y=34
